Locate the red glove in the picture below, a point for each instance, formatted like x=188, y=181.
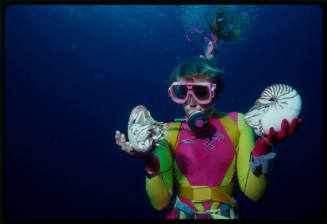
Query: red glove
x=263, y=145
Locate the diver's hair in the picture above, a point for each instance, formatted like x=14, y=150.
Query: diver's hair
x=192, y=68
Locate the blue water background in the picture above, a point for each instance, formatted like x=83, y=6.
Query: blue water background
x=74, y=73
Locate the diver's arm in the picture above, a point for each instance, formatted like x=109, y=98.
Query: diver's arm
x=159, y=163
x=253, y=185
x=254, y=167
x=159, y=187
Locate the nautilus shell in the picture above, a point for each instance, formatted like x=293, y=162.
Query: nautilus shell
x=276, y=102
x=143, y=131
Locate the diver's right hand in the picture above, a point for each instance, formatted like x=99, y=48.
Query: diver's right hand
x=121, y=142
x=150, y=159
x=128, y=148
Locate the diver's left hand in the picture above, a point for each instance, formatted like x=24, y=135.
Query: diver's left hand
x=286, y=130
x=263, y=145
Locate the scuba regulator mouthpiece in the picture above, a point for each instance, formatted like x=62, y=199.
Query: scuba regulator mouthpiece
x=197, y=121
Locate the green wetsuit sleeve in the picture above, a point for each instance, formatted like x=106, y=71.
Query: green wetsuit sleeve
x=253, y=186
x=160, y=187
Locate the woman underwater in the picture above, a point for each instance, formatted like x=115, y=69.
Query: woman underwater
x=201, y=164
x=224, y=27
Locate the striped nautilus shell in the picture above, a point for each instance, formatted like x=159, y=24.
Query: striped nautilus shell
x=143, y=131
x=275, y=103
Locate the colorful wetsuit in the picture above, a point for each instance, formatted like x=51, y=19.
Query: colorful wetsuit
x=202, y=168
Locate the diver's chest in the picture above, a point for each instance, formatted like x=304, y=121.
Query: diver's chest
x=211, y=149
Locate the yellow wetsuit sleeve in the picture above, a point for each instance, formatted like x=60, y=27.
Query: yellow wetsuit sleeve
x=159, y=188
x=253, y=186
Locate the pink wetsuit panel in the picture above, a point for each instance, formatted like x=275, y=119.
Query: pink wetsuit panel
x=204, y=157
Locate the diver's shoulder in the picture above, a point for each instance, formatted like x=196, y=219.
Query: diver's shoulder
x=232, y=113
x=235, y=115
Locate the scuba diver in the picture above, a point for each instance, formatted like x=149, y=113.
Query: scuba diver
x=228, y=27
x=224, y=27
x=200, y=159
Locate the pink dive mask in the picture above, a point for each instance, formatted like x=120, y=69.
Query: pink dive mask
x=202, y=92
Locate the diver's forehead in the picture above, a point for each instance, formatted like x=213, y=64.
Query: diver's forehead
x=194, y=78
